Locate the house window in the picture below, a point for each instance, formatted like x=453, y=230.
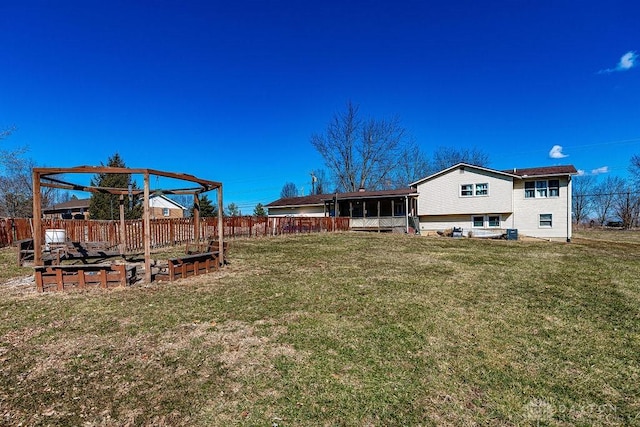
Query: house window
x=546, y=220
x=468, y=190
x=554, y=188
x=482, y=189
x=478, y=221
x=165, y=211
x=494, y=221
x=542, y=189
x=530, y=189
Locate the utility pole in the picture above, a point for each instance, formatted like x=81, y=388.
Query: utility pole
x=313, y=183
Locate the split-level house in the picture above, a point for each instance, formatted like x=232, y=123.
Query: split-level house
x=534, y=201
x=476, y=201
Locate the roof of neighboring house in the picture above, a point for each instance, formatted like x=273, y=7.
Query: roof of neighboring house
x=73, y=204
x=514, y=173
x=319, y=199
x=162, y=201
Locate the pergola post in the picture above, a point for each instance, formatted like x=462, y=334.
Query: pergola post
x=147, y=230
x=37, y=220
x=220, y=226
x=196, y=218
x=123, y=234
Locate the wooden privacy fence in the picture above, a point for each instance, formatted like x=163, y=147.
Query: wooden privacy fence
x=167, y=231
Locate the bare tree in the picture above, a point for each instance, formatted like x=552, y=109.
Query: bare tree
x=582, y=198
x=360, y=153
x=604, y=196
x=289, y=190
x=4, y=133
x=16, y=185
x=634, y=168
x=413, y=165
x=626, y=207
x=445, y=157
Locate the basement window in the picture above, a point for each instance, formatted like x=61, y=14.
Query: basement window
x=494, y=221
x=546, y=220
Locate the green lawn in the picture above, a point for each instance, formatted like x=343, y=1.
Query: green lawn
x=340, y=329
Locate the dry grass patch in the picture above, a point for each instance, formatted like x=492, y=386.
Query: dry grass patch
x=341, y=329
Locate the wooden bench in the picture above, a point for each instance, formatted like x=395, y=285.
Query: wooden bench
x=65, y=277
x=193, y=265
x=79, y=250
x=25, y=251
x=202, y=247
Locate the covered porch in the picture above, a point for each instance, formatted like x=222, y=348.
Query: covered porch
x=385, y=210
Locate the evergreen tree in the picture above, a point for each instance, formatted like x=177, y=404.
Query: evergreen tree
x=259, y=210
x=106, y=205
x=207, y=208
x=233, y=210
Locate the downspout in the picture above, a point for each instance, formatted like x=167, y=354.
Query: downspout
x=569, y=185
x=513, y=203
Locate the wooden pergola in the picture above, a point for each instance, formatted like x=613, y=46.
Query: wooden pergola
x=50, y=177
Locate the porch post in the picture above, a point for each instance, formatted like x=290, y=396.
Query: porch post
x=406, y=214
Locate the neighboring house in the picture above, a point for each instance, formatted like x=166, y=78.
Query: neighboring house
x=483, y=201
x=73, y=209
x=163, y=207
x=385, y=210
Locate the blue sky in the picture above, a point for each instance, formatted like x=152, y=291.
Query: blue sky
x=232, y=91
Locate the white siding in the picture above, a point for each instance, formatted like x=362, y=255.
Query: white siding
x=441, y=194
x=302, y=211
x=441, y=205
x=527, y=212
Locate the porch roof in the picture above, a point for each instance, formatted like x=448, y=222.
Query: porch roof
x=320, y=199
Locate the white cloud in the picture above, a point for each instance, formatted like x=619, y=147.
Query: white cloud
x=598, y=171
x=556, y=152
x=627, y=62
x=581, y=172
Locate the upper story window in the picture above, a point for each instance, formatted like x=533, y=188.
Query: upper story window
x=542, y=189
x=482, y=189
x=468, y=190
x=165, y=211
